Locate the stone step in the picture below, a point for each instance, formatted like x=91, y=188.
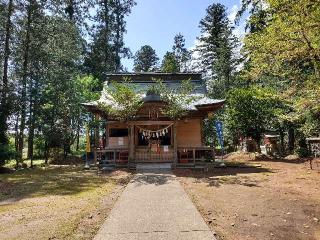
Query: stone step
x=143, y=166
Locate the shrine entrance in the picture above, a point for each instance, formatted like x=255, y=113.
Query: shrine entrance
x=154, y=143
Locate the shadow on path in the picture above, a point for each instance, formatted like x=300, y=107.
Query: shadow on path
x=153, y=176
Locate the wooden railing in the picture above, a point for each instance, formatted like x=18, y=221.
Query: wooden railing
x=186, y=156
x=112, y=157
x=146, y=155
x=195, y=155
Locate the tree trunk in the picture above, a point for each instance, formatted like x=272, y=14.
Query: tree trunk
x=32, y=116
x=4, y=112
x=175, y=144
x=117, y=37
x=24, y=82
x=31, y=139
x=78, y=137
x=46, y=152
x=291, y=139
x=282, y=147
x=257, y=140
x=106, y=19
x=31, y=126
x=70, y=10
x=16, y=134
x=16, y=138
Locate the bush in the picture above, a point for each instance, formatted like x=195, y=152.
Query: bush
x=303, y=152
x=7, y=152
x=39, y=147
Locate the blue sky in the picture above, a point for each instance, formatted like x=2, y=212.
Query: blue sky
x=156, y=22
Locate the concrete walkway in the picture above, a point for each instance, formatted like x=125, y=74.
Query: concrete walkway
x=154, y=206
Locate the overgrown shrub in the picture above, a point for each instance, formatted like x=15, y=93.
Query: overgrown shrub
x=302, y=150
x=39, y=144
x=7, y=152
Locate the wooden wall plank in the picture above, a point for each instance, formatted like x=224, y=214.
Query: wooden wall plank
x=189, y=133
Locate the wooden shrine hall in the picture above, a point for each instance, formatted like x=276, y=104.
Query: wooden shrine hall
x=152, y=137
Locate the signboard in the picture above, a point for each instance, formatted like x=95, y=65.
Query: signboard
x=120, y=141
x=154, y=147
x=219, y=127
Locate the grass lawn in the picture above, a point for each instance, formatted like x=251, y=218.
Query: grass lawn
x=56, y=202
x=279, y=200
x=12, y=163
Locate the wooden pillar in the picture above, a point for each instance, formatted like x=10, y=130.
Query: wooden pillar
x=194, y=156
x=201, y=132
x=107, y=135
x=96, y=132
x=175, y=144
x=131, y=142
x=95, y=160
x=96, y=138
x=210, y=116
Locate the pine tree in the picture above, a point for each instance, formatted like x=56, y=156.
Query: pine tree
x=121, y=9
x=170, y=63
x=58, y=112
x=25, y=73
x=4, y=107
x=107, y=48
x=2, y=35
x=145, y=59
x=217, y=47
x=180, y=52
x=257, y=14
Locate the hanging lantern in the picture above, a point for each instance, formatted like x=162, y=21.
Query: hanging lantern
x=157, y=134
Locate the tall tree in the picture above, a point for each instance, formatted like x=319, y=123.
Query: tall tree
x=4, y=108
x=170, y=63
x=257, y=14
x=107, y=48
x=217, y=49
x=2, y=36
x=25, y=73
x=121, y=9
x=37, y=76
x=180, y=52
x=145, y=59
x=287, y=51
x=250, y=112
x=59, y=113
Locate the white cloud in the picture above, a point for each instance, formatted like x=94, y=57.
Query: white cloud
x=233, y=13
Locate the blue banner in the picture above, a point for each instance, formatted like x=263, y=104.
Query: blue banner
x=219, y=128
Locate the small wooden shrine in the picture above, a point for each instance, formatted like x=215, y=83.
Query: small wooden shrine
x=153, y=137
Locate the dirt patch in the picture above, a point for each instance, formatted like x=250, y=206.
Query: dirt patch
x=57, y=202
x=246, y=157
x=88, y=227
x=279, y=200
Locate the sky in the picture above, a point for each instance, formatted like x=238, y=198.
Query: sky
x=156, y=22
